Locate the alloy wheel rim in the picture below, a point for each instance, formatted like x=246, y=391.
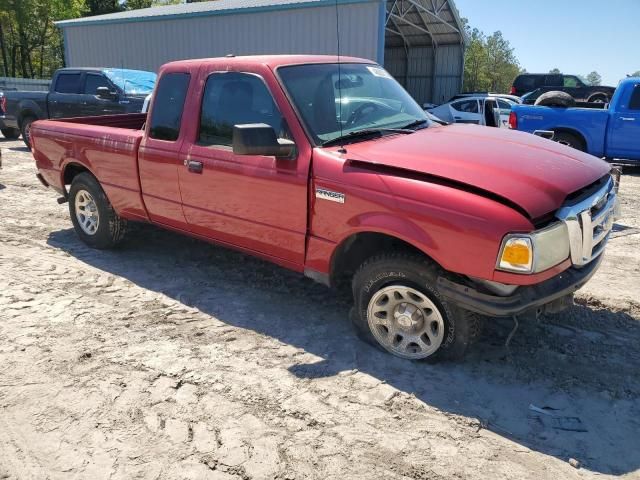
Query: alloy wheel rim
x=405, y=322
x=87, y=212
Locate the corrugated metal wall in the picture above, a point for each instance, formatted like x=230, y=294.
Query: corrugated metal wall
x=146, y=45
x=414, y=69
x=29, y=84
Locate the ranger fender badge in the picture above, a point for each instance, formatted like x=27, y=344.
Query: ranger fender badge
x=329, y=195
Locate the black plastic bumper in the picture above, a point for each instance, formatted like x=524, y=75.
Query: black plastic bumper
x=526, y=298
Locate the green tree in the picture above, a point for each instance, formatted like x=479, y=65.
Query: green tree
x=475, y=65
x=502, y=63
x=30, y=45
x=555, y=71
x=636, y=73
x=490, y=62
x=100, y=7
x=594, y=78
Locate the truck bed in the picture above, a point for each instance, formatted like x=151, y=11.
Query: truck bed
x=592, y=122
x=107, y=146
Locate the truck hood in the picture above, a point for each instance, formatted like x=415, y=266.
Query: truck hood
x=529, y=171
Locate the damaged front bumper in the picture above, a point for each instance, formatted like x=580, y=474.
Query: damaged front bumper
x=551, y=295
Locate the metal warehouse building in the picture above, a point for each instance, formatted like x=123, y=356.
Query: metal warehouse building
x=420, y=42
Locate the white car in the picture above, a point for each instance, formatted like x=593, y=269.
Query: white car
x=473, y=110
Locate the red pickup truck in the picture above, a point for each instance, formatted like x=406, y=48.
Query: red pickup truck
x=328, y=167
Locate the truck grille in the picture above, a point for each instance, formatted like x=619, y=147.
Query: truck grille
x=589, y=220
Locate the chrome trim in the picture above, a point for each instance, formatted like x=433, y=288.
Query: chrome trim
x=589, y=222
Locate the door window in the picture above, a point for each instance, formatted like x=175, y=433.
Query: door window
x=234, y=99
x=68, y=83
x=467, y=106
x=634, y=104
x=168, y=105
x=92, y=82
x=553, y=81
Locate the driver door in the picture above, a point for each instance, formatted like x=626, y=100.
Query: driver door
x=91, y=104
x=257, y=203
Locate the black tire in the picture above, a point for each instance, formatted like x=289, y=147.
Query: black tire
x=10, y=133
x=25, y=127
x=461, y=327
x=570, y=140
x=599, y=98
x=111, y=228
x=555, y=99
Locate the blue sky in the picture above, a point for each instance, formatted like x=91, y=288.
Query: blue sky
x=576, y=36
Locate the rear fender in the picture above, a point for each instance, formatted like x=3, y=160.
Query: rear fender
x=29, y=108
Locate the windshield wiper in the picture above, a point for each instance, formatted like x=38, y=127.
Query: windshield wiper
x=414, y=124
x=361, y=134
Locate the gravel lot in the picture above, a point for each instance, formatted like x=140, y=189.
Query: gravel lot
x=171, y=358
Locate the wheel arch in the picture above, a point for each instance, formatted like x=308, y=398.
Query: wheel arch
x=599, y=94
x=575, y=133
x=357, y=247
x=72, y=169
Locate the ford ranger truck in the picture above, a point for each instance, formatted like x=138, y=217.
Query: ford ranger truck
x=332, y=170
x=613, y=132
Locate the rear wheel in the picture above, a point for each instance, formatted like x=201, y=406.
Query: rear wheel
x=398, y=309
x=599, y=98
x=94, y=219
x=25, y=127
x=570, y=140
x=10, y=133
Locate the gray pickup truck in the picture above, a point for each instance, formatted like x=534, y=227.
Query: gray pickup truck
x=75, y=92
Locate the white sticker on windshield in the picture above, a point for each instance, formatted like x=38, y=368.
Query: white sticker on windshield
x=379, y=72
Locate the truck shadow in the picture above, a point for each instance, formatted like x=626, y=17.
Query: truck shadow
x=584, y=363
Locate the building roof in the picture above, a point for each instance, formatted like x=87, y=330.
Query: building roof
x=217, y=7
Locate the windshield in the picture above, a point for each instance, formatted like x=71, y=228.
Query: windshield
x=360, y=97
x=133, y=82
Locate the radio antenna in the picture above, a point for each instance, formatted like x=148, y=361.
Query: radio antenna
x=341, y=149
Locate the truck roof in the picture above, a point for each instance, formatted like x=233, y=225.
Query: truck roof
x=272, y=61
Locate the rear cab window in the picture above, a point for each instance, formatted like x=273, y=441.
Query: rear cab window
x=166, y=114
x=68, y=83
x=634, y=103
x=526, y=82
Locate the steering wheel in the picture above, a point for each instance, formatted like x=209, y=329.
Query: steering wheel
x=363, y=110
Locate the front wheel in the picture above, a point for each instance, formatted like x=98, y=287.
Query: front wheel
x=399, y=309
x=10, y=133
x=94, y=219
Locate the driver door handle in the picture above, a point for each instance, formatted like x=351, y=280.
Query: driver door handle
x=627, y=119
x=194, y=166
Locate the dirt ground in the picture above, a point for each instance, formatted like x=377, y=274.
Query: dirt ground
x=174, y=359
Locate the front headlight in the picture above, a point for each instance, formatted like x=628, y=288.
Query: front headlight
x=534, y=252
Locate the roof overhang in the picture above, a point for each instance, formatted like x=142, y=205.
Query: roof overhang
x=202, y=9
x=423, y=23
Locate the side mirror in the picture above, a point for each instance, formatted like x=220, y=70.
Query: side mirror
x=261, y=139
x=104, y=92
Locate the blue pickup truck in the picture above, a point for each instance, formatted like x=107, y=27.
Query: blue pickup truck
x=612, y=132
